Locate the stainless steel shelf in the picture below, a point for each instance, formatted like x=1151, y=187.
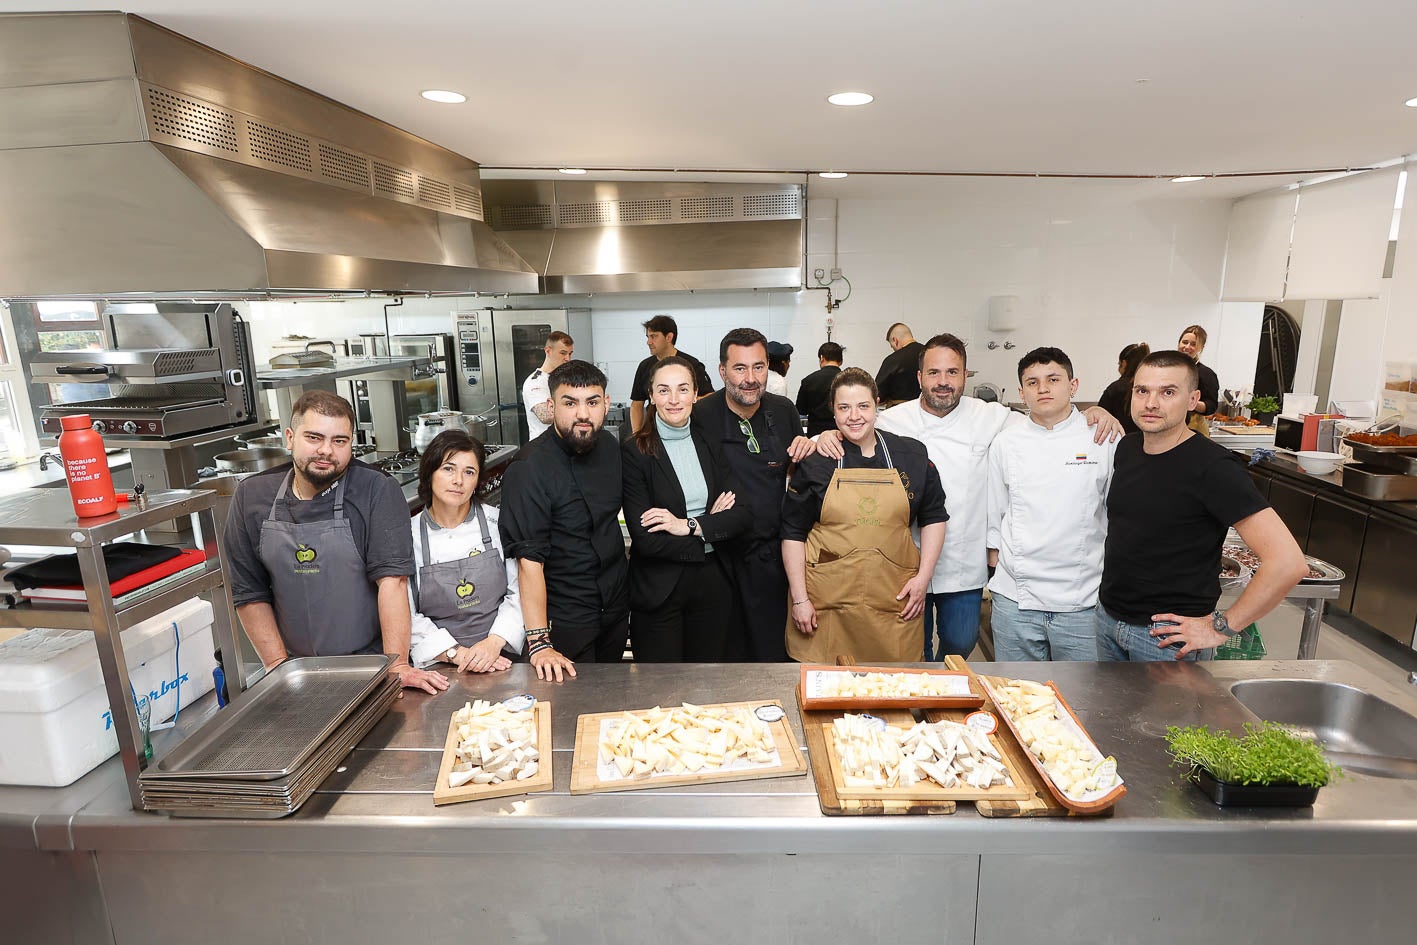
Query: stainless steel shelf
x=391, y=369
x=46, y=517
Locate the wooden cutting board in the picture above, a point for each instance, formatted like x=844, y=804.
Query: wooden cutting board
x=585, y=776
x=541, y=781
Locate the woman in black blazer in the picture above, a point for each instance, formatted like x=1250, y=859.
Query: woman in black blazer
x=678, y=501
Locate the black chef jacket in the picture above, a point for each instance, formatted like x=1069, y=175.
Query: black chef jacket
x=562, y=510
x=814, y=399
x=923, y=489
x=897, y=379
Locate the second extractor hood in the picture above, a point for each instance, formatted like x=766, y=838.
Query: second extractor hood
x=601, y=236
x=136, y=162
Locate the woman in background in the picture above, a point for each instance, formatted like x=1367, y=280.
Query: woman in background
x=1117, y=398
x=1192, y=343
x=464, y=593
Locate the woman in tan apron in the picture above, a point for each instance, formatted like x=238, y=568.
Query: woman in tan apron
x=1192, y=343
x=466, y=609
x=857, y=578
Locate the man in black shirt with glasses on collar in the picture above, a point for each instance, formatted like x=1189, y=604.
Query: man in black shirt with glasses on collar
x=760, y=434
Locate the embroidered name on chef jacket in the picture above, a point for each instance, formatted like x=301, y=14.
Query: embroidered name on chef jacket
x=1081, y=459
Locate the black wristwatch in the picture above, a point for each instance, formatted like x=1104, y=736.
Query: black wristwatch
x=693, y=526
x=1220, y=623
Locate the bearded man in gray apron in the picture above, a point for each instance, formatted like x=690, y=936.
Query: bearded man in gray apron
x=320, y=550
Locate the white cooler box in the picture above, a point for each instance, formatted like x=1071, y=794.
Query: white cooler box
x=55, y=725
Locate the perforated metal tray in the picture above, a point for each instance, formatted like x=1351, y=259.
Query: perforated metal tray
x=283, y=721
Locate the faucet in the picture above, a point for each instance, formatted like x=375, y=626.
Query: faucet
x=46, y=458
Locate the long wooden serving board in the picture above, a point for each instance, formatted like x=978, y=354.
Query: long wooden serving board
x=541, y=781
x=585, y=776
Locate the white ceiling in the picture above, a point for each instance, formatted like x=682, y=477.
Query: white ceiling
x=961, y=85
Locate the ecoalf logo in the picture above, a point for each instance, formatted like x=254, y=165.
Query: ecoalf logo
x=168, y=685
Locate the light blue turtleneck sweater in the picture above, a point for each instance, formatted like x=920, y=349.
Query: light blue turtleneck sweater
x=679, y=445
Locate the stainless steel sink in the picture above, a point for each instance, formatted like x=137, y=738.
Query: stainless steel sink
x=1358, y=730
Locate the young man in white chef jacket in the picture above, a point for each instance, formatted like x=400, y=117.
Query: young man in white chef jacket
x=1047, y=515
x=536, y=389
x=957, y=432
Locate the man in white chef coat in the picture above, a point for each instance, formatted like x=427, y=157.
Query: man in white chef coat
x=957, y=432
x=536, y=389
x=1047, y=519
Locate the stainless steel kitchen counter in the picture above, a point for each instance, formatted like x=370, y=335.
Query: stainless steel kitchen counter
x=382, y=800
x=751, y=860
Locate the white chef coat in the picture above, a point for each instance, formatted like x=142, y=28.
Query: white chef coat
x=1047, y=513
x=430, y=641
x=536, y=390
x=777, y=384
x=958, y=445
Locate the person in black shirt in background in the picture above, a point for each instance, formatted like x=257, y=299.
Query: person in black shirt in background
x=1192, y=343
x=898, y=379
x=560, y=520
x=759, y=434
x=662, y=336
x=814, y=395
x=1117, y=398
x=1173, y=496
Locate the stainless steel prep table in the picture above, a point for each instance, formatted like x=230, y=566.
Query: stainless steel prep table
x=756, y=859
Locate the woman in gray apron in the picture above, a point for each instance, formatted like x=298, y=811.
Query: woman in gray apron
x=464, y=594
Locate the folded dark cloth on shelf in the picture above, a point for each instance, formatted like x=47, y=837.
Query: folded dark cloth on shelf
x=122, y=558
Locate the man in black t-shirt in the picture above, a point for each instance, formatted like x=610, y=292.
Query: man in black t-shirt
x=662, y=336
x=898, y=379
x=1173, y=495
x=814, y=395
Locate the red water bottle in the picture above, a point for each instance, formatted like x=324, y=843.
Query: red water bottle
x=86, y=466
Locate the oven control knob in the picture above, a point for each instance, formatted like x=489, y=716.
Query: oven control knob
x=129, y=426
x=100, y=426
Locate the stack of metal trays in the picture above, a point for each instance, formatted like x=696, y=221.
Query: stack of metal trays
x=264, y=756
x=1382, y=473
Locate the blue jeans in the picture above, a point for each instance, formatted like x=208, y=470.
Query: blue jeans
x=957, y=615
x=1042, y=634
x=1121, y=641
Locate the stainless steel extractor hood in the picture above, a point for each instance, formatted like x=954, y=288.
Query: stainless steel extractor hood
x=136, y=162
x=603, y=236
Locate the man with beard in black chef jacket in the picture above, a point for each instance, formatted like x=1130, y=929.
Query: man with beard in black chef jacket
x=560, y=520
x=759, y=434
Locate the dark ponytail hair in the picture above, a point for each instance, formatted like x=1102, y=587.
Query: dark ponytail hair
x=646, y=438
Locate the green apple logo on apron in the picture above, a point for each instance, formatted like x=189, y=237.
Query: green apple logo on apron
x=305, y=560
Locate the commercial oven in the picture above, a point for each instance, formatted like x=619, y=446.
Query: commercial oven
x=497, y=349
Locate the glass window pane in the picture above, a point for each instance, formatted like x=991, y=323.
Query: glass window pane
x=67, y=311
x=77, y=340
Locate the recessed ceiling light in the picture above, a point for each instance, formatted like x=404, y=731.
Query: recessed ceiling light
x=1060, y=222
x=572, y=170
x=832, y=175
x=444, y=96
x=1411, y=103
x=1185, y=180
x=849, y=99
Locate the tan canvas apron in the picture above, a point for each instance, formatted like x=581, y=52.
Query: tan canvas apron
x=859, y=554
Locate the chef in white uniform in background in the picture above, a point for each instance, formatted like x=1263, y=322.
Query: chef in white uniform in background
x=536, y=391
x=1047, y=519
x=466, y=609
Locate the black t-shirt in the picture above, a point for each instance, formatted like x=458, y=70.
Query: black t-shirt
x=639, y=390
x=373, y=503
x=814, y=399
x=562, y=510
x=803, y=505
x=897, y=379
x=1167, y=516
x=1209, y=386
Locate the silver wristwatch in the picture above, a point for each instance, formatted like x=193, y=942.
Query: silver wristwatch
x=452, y=654
x=1220, y=623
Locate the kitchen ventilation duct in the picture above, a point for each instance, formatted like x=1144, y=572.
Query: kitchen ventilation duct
x=137, y=162
x=601, y=236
